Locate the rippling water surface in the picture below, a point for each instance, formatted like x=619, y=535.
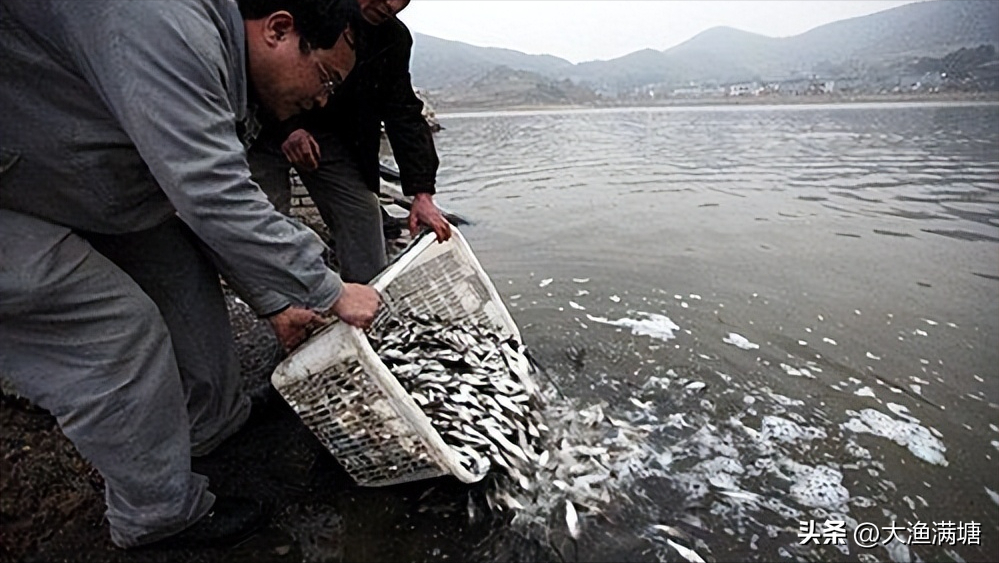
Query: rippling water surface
x=832, y=273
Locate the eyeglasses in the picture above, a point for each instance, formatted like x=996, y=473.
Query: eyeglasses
x=329, y=82
x=343, y=60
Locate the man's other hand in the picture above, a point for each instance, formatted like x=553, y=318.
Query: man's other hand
x=357, y=305
x=293, y=325
x=301, y=149
x=423, y=211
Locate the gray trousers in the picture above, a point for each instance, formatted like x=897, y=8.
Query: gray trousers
x=130, y=349
x=350, y=210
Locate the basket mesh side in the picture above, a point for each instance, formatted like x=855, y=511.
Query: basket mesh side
x=353, y=418
x=446, y=286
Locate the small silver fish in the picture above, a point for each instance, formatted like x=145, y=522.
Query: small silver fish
x=572, y=519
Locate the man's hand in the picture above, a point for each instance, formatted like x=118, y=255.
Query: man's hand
x=357, y=305
x=423, y=211
x=293, y=325
x=301, y=149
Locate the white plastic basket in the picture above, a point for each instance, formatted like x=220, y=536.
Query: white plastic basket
x=350, y=400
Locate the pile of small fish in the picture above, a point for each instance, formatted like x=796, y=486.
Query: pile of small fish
x=474, y=385
x=477, y=388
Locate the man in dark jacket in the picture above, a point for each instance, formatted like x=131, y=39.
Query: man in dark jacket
x=335, y=148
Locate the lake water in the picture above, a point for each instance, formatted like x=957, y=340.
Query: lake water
x=832, y=273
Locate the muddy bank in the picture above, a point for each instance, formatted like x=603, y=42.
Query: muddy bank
x=52, y=507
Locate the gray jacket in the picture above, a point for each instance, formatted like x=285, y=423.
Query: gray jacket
x=124, y=113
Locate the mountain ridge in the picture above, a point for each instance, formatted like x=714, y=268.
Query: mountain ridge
x=872, y=51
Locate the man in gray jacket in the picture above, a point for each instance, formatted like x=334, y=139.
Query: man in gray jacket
x=125, y=192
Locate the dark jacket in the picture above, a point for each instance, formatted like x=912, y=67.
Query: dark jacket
x=379, y=89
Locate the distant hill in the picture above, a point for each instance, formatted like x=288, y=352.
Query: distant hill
x=506, y=87
x=878, y=45
x=439, y=63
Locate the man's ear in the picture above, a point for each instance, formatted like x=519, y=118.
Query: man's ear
x=278, y=27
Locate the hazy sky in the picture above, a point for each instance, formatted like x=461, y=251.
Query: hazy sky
x=585, y=30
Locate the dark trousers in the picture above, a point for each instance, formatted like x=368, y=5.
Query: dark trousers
x=350, y=210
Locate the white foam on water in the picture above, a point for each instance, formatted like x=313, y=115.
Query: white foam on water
x=802, y=372
x=739, y=341
x=575, y=305
x=580, y=280
x=856, y=450
x=581, y=292
x=785, y=401
x=655, y=326
x=902, y=411
x=911, y=435
x=865, y=392
x=820, y=486
x=735, y=466
x=784, y=430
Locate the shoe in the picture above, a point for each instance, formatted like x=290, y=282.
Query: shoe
x=230, y=521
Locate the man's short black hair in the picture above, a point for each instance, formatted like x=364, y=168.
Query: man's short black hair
x=319, y=22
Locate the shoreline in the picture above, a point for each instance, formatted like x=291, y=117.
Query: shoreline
x=443, y=110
